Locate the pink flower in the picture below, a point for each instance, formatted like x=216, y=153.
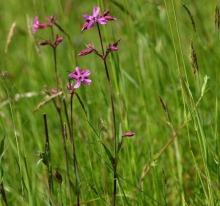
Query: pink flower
x=113, y=47
x=128, y=134
x=37, y=25
x=90, y=20
x=57, y=41
x=90, y=49
x=54, y=44
x=80, y=76
x=43, y=43
x=69, y=87
x=53, y=91
x=105, y=15
x=51, y=19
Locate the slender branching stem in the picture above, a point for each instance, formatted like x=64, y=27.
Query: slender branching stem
x=100, y=38
x=114, y=163
x=58, y=108
x=74, y=152
x=48, y=156
x=55, y=69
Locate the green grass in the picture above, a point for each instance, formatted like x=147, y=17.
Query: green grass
x=157, y=96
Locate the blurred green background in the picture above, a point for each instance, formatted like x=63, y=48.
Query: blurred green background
x=153, y=60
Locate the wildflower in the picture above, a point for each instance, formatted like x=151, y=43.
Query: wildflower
x=69, y=87
x=51, y=19
x=105, y=15
x=43, y=43
x=54, y=44
x=57, y=41
x=113, y=47
x=128, y=134
x=37, y=25
x=53, y=91
x=90, y=20
x=90, y=49
x=80, y=76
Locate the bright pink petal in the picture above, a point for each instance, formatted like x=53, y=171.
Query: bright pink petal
x=128, y=134
x=86, y=73
x=110, y=18
x=72, y=75
x=35, y=26
x=96, y=11
x=77, y=85
x=85, y=26
x=87, y=17
x=90, y=25
x=85, y=52
x=87, y=81
x=53, y=91
x=78, y=71
x=36, y=21
x=101, y=20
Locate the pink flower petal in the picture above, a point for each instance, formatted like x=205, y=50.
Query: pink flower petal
x=101, y=20
x=87, y=17
x=96, y=11
x=128, y=134
x=53, y=91
x=90, y=24
x=87, y=81
x=86, y=73
x=77, y=85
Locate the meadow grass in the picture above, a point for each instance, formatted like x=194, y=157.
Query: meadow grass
x=165, y=82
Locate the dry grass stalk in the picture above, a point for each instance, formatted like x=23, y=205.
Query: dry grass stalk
x=190, y=16
x=193, y=58
x=47, y=100
x=165, y=108
x=10, y=35
x=217, y=18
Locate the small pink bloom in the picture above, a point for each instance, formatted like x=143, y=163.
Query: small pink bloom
x=90, y=20
x=90, y=49
x=113, y=47
x=110, y=18
x=69, y=87
x=51, y=19
x=57, y=41
x=37, y=25
x=53, y=91
x=43, y=43
x=80, y=76
x=105, y=13
x=85, y=26
x=106, y=16
x=128, y=134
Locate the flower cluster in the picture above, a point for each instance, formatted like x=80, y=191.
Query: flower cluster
x=51, y=21
x=95, y=18
x=90, y=21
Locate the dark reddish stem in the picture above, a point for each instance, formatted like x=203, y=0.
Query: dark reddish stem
x=113, y=117
x=74, y=151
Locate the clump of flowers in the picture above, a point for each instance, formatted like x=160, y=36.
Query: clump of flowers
x=51, y=21
x=91, y=20
x=95, y=18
